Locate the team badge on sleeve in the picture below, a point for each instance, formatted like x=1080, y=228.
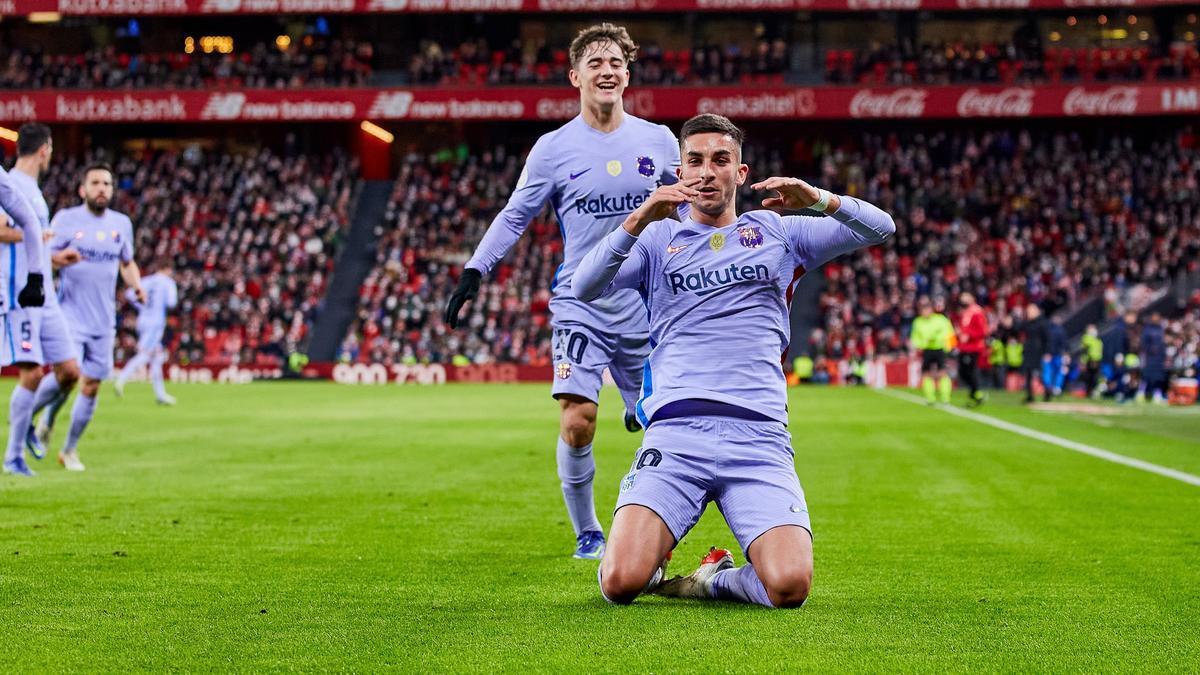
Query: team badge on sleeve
x=751, y=237
x=646, y=166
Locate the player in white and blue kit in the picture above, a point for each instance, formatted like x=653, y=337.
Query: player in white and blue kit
x=593, y=171
x=103, y=240
x=22, y=294
x=717, y=287
x=161, y=297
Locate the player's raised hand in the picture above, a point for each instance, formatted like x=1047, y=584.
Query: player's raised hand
x=791, y=193
x=468, y=288
x=661, y=204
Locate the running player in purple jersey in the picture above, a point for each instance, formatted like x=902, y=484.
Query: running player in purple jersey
x=717, y=287
x=41, y=334
x=593, y=171
x=103, y=238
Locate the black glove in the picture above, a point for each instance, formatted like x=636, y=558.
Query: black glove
x=34, y=293
x=468, y=288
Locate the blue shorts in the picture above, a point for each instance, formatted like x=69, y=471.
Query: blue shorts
x=21, y=336
x=97, y=352
x=58, y=345
x=746, y=467
x=581, y=354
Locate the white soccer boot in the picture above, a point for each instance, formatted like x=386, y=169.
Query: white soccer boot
x=70, y=460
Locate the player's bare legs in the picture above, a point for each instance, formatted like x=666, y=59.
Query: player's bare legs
x=52, y=392
x=637, y=545
x=783, y=560
x=576, y=469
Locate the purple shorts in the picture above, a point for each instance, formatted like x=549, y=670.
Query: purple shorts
x=746, y=467
x=582, y=353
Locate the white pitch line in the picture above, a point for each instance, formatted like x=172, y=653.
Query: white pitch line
x=1093, y=451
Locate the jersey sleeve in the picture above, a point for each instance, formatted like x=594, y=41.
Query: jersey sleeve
x=534, y=187
x=127, y=244
x=172, y=295
x=21, y=211
x=619, y=261
x=818, y=239
x=59, y=240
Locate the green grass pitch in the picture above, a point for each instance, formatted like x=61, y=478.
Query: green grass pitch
x=297, y=526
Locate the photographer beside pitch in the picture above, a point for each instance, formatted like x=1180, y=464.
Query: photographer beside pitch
x=717, y=287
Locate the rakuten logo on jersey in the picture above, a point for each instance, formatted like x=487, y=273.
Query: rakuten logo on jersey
x=1111, y=101
x=17, y=109
x=703, y=282
x=795, y=103
x=119, y=109
x=899, y=103
x=604, y=206
x=1011, y=102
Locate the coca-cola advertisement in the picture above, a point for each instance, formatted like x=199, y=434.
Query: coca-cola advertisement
x=556, y=104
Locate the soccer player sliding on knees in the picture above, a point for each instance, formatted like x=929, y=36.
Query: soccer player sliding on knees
x=717, y=287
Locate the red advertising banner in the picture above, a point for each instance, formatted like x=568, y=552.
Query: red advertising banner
x=229, y=7
x=662, y=104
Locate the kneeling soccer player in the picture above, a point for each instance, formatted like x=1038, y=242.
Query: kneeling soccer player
x=717, y=287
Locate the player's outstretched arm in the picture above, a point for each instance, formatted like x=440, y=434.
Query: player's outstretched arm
x=848, y=223
x=534, y=187
x=620, y=260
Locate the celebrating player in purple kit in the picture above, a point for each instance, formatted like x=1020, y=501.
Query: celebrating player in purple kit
x=41, y=333
x=103, y=238
x=717, y=287
x=594, y=171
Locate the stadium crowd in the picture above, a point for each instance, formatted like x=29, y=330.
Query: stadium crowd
x=251, y=236
x=1007, y=62
x=323, y=63
x=475, y=62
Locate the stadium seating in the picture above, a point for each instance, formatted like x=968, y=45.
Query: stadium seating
x=252, y=237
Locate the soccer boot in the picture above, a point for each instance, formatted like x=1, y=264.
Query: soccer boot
x=165, y=399
x=119, y=387
x=70, y=460
x=590, y=545
x=698, y=584
x=632, y=425
x=18, y=467
x=35, y=445
x=43, y=432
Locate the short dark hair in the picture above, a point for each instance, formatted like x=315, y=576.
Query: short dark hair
x=31, y=137
x=96, y=166
x=603, y=32
x=709, y=123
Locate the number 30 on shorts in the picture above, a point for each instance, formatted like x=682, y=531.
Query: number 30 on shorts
x=572, y=344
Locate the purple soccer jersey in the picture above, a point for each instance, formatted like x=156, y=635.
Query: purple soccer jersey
x=87, y=289
x=592, y=180
x=27, y=258
x=718, y=298
x=29, y=187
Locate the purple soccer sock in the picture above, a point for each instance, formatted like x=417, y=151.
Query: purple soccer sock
x=20, y=412
x=740, y=584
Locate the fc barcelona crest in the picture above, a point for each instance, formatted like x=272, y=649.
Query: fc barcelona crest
x=750, y=237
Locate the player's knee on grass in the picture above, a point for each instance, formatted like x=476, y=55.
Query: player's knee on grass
x=787, y=585
x=578, y=421
x=621, y=581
